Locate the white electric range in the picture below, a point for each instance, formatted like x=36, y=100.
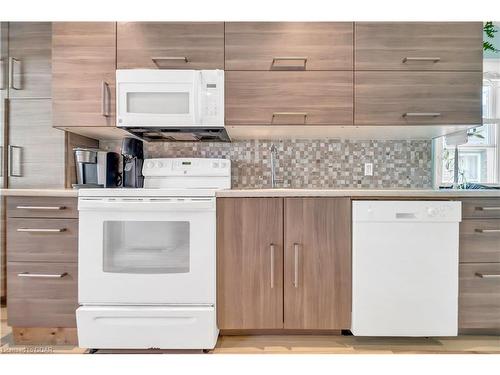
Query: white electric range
x=147, y=258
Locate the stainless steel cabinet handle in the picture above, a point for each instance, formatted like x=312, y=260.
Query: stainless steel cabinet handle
x=105, y=100
x=431, y=59
x=169, y=58
x=2, y=74
x=41, y=207
x=290, y=58
x=272, y=265
x=42, y=275
x=296, y=265
x=276, y=114
x=421, y=114
x=488, y=275
x=13, y=62
x=488, y=208
x=15, y=168
x=487, y=230
x=41, y=230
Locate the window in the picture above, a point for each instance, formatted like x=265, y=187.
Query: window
x=479, y=158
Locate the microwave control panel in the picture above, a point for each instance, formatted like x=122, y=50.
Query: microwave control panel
x=212, y=97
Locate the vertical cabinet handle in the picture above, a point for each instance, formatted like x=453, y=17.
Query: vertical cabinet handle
x=13, y=62
x=105, y=100
x=296, y=265
x=272, y=247
x=15, y=162
x=2, y=74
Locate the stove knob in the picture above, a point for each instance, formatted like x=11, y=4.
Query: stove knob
x=159, y=164
x=150, y=165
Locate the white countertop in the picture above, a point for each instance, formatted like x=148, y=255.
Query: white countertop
x=292, y=193
x=357, y=193
x=39, y=192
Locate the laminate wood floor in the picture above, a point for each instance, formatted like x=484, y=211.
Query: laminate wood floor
x=301, y=344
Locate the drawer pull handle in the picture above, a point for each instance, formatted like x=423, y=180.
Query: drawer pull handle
x=488, y=275
x=41, y=208
x=169, y=58
x=302, y=114
x=488, y=208
x=431, y=59
x=421, y=114
x=488, y=230
x=42, y=230
x=290, y=58
x=42, y=275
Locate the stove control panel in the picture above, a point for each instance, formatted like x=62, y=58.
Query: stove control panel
x=196, y=167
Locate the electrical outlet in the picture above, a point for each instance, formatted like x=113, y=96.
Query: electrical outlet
x=368, y=169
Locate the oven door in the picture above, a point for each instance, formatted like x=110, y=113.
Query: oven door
x=146, y=251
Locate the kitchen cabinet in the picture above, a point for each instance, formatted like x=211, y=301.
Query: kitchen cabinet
x=288, y=98
x=36, y=149
x=30, y=60
x=479, y=269
x=250, y=263
x=419, y=46
x=83, y=71
x=283, y=263
x=417, y=98
x=170, y=45
x=42, y=270
x=317, y=279
x=289, y=46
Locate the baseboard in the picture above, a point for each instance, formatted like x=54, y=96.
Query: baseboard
x=45, y=336
x=247, y=332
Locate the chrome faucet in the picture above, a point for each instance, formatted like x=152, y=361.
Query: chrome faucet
x=274, y=151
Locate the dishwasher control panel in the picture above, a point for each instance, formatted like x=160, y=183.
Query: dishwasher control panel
x=411, y=211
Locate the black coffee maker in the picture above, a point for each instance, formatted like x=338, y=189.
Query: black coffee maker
x=133, y=158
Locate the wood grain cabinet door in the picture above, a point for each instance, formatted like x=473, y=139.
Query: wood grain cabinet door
x=250, y=263
x=30, y=45
x=479, y=300
x=289, y=45
x=419, y=46
x=317, y=276
x=288, y=98
x=170, y=45
x=417, y=98
x=83, y=70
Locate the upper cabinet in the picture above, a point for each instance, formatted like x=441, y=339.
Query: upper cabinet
x=83, y=69
x=288, y=98
x=419, y=46
x=170, y=45
x=30, y=60
x=289, y=46
x=417, y=98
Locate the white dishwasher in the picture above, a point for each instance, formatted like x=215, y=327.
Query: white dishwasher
x=405, y=268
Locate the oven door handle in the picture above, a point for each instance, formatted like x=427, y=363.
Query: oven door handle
x=147, y=204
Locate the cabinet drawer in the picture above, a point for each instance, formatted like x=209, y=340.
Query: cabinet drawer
x=170, y=45
x=418, y=46
x=416, y=98
x=480, y=240
x=32, y=240
x=289, y=46
x=46, y=296
x=481, y=208
x=479, y=301
x=43, y=207
x=288, y=98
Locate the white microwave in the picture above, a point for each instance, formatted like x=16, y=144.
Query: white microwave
x=171, y=104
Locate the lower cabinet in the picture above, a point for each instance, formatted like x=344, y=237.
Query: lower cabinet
x=42, y=269
x=283, y=263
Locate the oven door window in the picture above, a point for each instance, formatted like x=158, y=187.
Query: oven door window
x=146, y=247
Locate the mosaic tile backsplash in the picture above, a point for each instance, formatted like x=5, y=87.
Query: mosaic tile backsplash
x=314, y=163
